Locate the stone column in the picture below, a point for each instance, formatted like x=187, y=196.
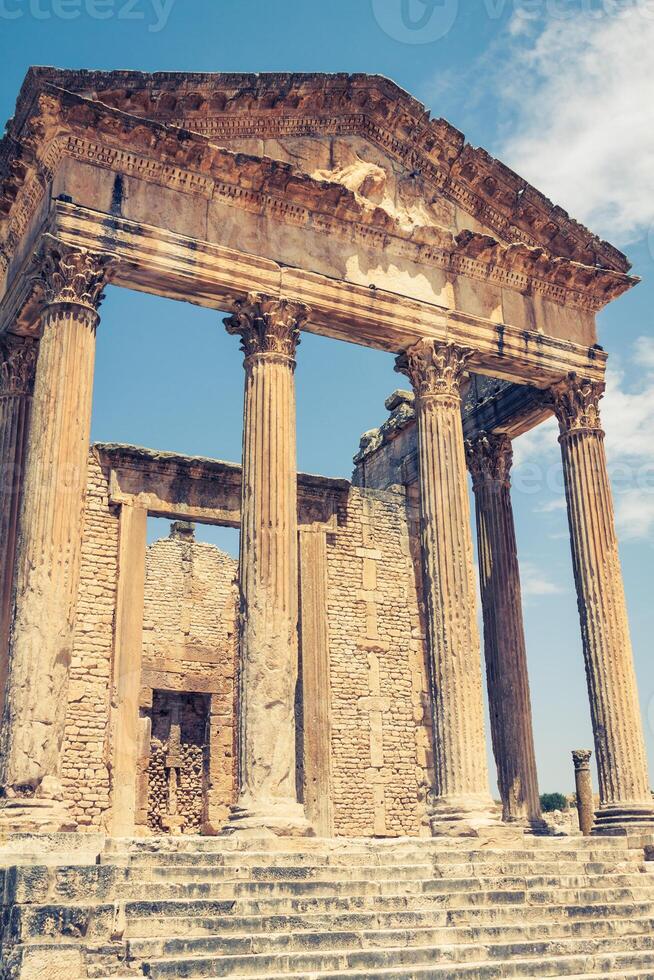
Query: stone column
x=268, y=802
x=489, y=460
x=17, y=363
x=462, y=801
x=625, y=796
x=584, y=787
x=49, y=542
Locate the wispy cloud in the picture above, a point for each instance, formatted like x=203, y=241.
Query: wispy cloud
x=581, y=100
x=535, y=583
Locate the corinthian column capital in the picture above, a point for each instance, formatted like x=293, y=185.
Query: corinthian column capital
x=70, y=276
x=267, y=325
x=490, y=457
x=434, y=368
x=575, y=402
x=17, y=364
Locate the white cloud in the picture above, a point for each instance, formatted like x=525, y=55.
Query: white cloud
x=634, y=515
x=582, y=97
x=535, y=583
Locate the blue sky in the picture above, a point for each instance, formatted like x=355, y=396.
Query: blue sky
x=560, y=90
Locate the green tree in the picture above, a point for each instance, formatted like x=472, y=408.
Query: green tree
x=553, y=801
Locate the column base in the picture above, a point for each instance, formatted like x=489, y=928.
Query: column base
x=623, y=819
x=275, y=820
x=469, y=816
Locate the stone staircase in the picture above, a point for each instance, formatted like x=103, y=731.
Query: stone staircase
x=211, y=907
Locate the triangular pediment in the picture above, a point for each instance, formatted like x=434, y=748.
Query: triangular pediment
x=360, y=131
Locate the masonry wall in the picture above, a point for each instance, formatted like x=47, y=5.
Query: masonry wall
x=190, y=644
x=380, y=727
x=380, y=758
x=85, y=768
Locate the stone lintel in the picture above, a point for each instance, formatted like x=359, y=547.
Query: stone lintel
x=161, y=262
x=200, y=489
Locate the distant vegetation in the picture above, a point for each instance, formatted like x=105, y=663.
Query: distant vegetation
x=553, y=801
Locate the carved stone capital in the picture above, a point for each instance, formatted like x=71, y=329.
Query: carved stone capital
x=490, y=457
x=581, y=759
x=434, y=368
x=17, y=365
x=70, y=276
x=267, y=325
x=575, y=402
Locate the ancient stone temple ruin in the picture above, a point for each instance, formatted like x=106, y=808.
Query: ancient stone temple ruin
x=276, y=766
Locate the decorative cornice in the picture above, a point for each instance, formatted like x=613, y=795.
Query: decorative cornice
x=581, y=759
x=65, y=124
x=489, y=458
x=267, y=325
x=70, y=276
x=17, y=365
x=227, y=106
x=434, y=368
x=575, y=402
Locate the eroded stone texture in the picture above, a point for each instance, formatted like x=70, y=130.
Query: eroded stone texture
x=462, y=801
x=17, y=365
x=269, y=331
x=584, y=787
x=625, y=794
x=49, y=539
x=489, y=460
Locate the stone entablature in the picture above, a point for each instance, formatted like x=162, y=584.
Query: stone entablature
x=228, y=106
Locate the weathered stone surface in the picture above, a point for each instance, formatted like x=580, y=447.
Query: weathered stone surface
x=625, y=793
x=462, y=800
x=489, y=461
x=269, y=331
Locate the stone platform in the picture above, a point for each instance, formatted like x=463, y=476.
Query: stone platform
x=85, y=907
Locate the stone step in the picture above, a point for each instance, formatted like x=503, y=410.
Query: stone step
x=422, y=853
x=453, y=900
x=628, y=966
x=279, y=939
x=41, y=885
x=338, y=959
x=219, y=872
x=614, y=918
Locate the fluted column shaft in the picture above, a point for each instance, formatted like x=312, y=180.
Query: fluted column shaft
x=489, y=460
x=624, y=785
x=269, y=330
x=461, y=791
x=50, y=528
x=17, y=362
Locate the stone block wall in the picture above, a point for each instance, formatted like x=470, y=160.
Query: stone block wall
x=85, y=757
x=381, y=739
x=378, y=670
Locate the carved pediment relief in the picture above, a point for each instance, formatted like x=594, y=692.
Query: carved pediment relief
x=231, y=108
x=343, y=183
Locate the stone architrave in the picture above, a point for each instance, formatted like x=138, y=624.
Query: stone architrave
x=625, y=794
x=462, y=802
x=17, y=365
x=489, y=460
x=269, y=329
x=49, y=540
